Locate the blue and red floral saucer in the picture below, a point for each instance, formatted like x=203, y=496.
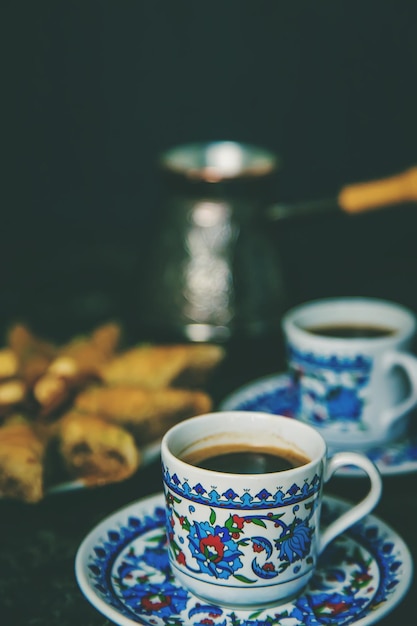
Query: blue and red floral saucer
x=122, y=568
x=275, y=394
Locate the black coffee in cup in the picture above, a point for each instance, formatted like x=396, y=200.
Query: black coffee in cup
x=351, y=331
x=243, y=459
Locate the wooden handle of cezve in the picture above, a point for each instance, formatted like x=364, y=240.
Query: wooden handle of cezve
x=375, y=194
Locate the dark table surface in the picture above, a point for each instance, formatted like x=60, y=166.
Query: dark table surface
x=38, y=543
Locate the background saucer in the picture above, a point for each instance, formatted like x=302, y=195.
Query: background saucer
x=275, y=394
x=122, y=568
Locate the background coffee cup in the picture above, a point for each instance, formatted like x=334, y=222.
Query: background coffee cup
x=251, y=540
x=355, y=385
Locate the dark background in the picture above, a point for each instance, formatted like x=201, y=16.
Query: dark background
x=94, y=91
x=91, y=93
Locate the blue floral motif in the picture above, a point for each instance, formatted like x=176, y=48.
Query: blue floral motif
x=156, y=557
x=329, y=388
x=344, y=403
x=207, y=611
x=220, y=550
x=267, y=570
x=214, y=550
x=327, y=608
x=295, y=542
x=162, y=599
x=261, y=544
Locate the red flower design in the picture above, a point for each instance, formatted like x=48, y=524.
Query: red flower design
x=269, y=567
x=338, y=607
x=180, y=558
x=332, y=608
x=212, y=547
x=155, y=602
x=256, y=547
x=238, y=521
x=364, y=578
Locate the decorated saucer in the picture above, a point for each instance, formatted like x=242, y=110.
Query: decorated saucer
x=276, y=394
x=122, y=569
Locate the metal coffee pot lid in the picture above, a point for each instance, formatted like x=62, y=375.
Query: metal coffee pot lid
x=219, y=160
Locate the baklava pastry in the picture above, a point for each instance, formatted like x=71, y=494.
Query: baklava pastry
x=13, y=393
x=9, y=364
x=95, y=450
x=157, y=366
x=147, y=413
x=83, y=357
x=22, y=452
x=75, y=363
x=32, y=353
x=51, y=392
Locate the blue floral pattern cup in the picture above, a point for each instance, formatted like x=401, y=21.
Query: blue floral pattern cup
x=358, y=391
x=251, y=540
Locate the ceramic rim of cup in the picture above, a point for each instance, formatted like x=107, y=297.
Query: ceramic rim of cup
x=182, y=439
x=346, y=310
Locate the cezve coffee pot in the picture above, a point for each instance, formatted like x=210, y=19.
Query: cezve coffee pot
x=214, y=271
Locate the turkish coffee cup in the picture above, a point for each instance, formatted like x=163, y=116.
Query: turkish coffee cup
x=243, y=498
x=352, y=368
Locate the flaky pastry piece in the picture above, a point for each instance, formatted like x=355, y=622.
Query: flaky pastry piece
x=22, y=452
x=82, y=357
x=147, y=413
x=12, y=393
x=9, y=364
x=157, y=366
x=32, y=353
x=96, y=450
x=51, y=392
x=75, y=362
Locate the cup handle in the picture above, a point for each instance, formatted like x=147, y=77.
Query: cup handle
x=365, y=506
x=408, y=363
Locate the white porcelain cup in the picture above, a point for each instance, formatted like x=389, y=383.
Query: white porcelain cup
x=251, y=540
x=357, y=390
